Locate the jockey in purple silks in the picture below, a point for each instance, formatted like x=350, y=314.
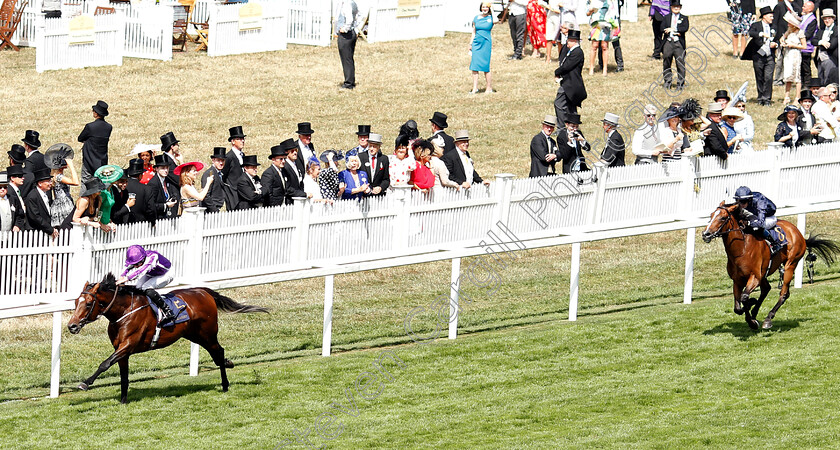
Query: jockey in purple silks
x=148, y=270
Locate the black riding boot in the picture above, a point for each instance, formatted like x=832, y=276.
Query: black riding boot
x=775, y=244
x=155, y=298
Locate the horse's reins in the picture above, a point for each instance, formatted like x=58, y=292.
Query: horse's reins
x=92, y=293
x=737, y=228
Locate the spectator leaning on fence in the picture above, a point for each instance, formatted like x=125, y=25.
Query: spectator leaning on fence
x=746, y=127
x=12, y=217
x=190, y=196
x=460, y=164
x=16, y=177
x=121, y=212
x=293, y=168
x=422, y=177
x=142, y=210
x=646, y=137
x=248, y=187
x=439, y=169
x=790, y=130
x=807, y=119
x=94, y=138
x=221, y=193
x=313, y=170
x=399, y=165
x=274, y=181
x=613, y=152
x=376, y=166
x=164, y=194
x=353, y=182
x=715, y=143
x=38, y=204
x=328, y=177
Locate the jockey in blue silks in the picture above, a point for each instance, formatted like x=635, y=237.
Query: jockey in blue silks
x=760, y=213
x=148, y=270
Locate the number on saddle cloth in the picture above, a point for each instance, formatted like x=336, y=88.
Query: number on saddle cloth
x=176, y=304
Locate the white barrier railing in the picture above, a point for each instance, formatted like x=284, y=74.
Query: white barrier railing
x=148, y=31
x=309, y=22
x=25, y=34
x=226, y=36
x=55, y=52
x=384, y=25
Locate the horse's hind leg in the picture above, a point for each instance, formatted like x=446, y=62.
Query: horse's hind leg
x=124, y=380
x=211, y=344
x=783, y=295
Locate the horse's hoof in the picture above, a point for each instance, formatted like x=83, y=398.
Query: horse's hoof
x=753, y=324
x=767, y=324
x=738, y=311
x=83, y=386
x=228, y=364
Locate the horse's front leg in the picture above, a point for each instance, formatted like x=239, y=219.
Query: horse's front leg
x=124, y=380
x=752, y=283
x=118, y=355
x=737, y=289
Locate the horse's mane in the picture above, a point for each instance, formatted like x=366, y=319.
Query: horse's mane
x=109, y=284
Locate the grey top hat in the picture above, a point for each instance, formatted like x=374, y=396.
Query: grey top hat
x=375, y=138
x=714, y=107
x=4, y=178
x=828, y=12
x=550, y=120
x=462, y=135
x=610, y=118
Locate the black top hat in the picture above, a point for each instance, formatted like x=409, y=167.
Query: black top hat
x=439, y=119
x=218, y=153
x=161, y=160
x=167, y=141
x=236, y=132
x=278, y=150
x=135, y=168
x=764, y=11
x=722, y=94
x=249, y=160
x=42, y=174
x=814, y=82
x=676, y=3
x=17, y=153
x=15, y=171
x=305, y=128
x=92, y=187
x=806, y=95
x=571, y=118
x=101, y=108
x=288, y=144
x=573, y=34
x=364, y=130
x=31, y=139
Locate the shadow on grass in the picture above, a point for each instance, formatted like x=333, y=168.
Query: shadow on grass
x=742, y=331
x=169, y=390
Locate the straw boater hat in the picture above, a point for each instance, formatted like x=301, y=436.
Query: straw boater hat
x=4, y=179
x=714, y=107
x=462, y=135
x=732, y=112
x=828, y=12
x=550, y=120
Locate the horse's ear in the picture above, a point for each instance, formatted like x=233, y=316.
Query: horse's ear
x=722, y=203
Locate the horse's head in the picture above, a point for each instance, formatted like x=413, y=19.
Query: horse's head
x=90, y=304
x=722, y=222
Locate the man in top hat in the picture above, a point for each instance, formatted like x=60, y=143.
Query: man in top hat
x=17, y=157
x=376, y=166
x=294, y=168
x=346, y=28
x=825, y=45
x=814, y=85
x=221, y=193
x=571, y=144
x=16, y=192
x=761, y=50
x=32, y=142
x=143, y=209
x=363, y=134
x=571, y=93
x=544, y=149
x=233, y=159
x=248, y=187
x=722, y=97
x=646, y=137
x=613, y=153
x=165, y=194
x=304, y=144
x=38, y=204
x=807, y=120
x=12, y=217
x=459, y=163
x=170, y=147
x=273, y=179
x=715, y=142
x=439, y=137
x=674, y=28
x=94, y=139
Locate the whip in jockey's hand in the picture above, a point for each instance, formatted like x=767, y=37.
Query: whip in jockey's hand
x=149, y=270
x=760, y=214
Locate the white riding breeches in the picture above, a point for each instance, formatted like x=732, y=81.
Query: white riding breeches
x=147, y=282
x=770, y=222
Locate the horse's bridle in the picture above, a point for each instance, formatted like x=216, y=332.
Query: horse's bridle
x=92, y=293
x=720, y=233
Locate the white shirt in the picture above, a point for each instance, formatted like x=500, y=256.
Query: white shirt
x=238, y=154
x=305, y=152
x=645, y=139
x=822, y=111
x=517, y=7
x=468, y=166
x=5, y=214
x=44, y=198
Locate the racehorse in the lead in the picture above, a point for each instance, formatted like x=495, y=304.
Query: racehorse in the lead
x=751, y=262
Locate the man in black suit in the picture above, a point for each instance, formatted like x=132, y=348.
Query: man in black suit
x=363, y=135
x=293, y=168
x=346, y=25
x=274, y=181
x=221, y=192
x=544, y=149
x=170, y=147
x=143, y=209
x=571, y=144
x=674, y=28
x=233, y=160
x=248, y=187
x=306, y=149
x=16, y=196
x=715, y=142
x=165, y=195
x=35, y=160
x=459, y=163
x=17, y=156
x=376, y=166
x=11, y=206
x=38, y=204
x=825, y=48
x=572, y=92
x=613, y=153
x=761, y=50
x=439, y=137
x=94, y=138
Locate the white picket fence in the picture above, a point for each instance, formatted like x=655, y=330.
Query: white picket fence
x=383, y=24
x=55, y=52
x=148, y=31
x=309, y=22
x=227, y=38
x=315, y=240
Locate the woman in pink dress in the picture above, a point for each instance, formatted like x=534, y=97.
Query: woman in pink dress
x=422, y=178
x=536, y=26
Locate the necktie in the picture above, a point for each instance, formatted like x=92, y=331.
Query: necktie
x=165, y=191
x=372, y=165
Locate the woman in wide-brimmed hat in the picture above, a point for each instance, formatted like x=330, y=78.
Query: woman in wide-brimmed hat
x=89, y=206
x=728, y=117
x=790, y=131
x=190, y=196
x=745, y=128
x=108, y=174
x=146, y=152
x=793, y=41
x=61, y=211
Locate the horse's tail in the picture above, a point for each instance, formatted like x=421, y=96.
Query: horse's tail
x=227, y=304
x=825, y=248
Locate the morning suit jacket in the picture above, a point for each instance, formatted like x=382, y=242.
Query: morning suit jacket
x=143, y=209
x=571, y=153
x=808, y=138
x=613, y=153
x=448, y=141
x=247, y=191
x=95, y=137
x=715, y=143
x=379, y=175
x=294, y=183
x=232, y=169
x=682, y=27
x=542, y=145
x=456, y=168
x=159, y=197
x=274, y=187
x=16, y=202
x=832, y=43
x=174, y=179
x=119, y=212
x=299, y=162
x=28, y=183
x=755, y=43
x=37, y=214
x=220, y=192
x=35, y=162
x=571, y=65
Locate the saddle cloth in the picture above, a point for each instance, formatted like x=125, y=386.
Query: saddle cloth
x=779, y=234
x=178, y=307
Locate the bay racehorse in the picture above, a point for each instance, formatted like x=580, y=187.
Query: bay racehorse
x=750, y=262
x=132, y=324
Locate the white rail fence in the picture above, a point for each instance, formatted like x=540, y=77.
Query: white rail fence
x=148, y=31
x=55, y=50
x=315, y=240
x=384, y=25
x=231, y=35
x=309, y=22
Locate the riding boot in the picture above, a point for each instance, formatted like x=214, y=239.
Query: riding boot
x=155, y=298
x=775, y=244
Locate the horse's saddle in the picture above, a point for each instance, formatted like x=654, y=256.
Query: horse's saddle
x=178, y=307
x=779, y=234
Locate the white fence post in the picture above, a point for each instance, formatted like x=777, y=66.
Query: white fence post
x=300, y=246
x=800, y=223
x=80, y=269
x=689, y=265
x=453, y=298
x=600, y=190
x=402, y=197
x=504, y=189
x=55, y=366
x=573, y=288
x=329, y=289
x=193, y=220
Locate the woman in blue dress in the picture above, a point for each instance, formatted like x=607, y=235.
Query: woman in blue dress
x=480, y=46
x=353, y=182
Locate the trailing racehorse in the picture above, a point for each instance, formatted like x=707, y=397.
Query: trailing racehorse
x=132, y=324
x=751, y=263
